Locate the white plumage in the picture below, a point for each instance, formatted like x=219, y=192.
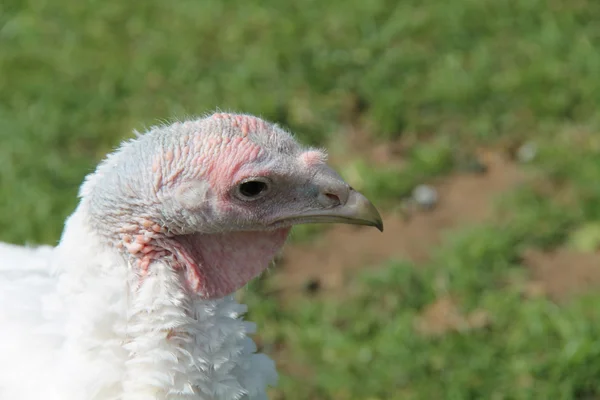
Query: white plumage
x=60, y=342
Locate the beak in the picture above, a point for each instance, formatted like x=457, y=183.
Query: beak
x=357, y=210
x=336, y=202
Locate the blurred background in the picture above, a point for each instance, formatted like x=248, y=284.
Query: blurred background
x=474, y=125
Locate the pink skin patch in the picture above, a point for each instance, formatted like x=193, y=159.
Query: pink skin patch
x=219, y=264
x=312, y=158
x=139, y=240
x=222, y=167
x=246, y=123
x=217, y=159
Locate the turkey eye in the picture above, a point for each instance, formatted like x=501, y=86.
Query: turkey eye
x=252, y=189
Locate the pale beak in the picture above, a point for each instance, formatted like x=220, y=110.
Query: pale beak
x=357, y=210
x=337, y=203
x=354, y=209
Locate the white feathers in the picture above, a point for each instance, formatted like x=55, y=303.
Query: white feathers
x=29, y=258
x=76, y=324
x=195, y=348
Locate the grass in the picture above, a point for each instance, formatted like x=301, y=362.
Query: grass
x=77, y=77
x=531, y=349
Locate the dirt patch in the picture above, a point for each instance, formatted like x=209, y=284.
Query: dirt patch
x=562, y=272
x=329, y=262
x=443, y=316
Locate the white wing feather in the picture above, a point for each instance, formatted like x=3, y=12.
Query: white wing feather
x=27, y=351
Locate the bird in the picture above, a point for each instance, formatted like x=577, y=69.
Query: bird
x=137, y=299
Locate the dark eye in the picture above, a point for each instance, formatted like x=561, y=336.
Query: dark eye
x=252, y=189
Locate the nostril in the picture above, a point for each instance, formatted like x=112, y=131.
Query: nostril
x=334, y=198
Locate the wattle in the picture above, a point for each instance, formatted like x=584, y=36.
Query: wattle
x=216, y=265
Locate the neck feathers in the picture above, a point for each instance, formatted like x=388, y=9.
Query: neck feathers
x=192, y=348
x=135, y=339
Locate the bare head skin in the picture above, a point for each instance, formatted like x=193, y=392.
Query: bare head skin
x=215, y=198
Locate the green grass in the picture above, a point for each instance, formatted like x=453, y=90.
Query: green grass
x=77, y=77
x=368, y=348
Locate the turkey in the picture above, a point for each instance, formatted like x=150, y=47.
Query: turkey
x=136, y=300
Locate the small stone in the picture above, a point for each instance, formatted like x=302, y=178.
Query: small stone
x=527, y=152
x=425, y=196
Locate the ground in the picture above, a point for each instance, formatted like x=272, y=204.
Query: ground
x=493, y=293
x=562, y=273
